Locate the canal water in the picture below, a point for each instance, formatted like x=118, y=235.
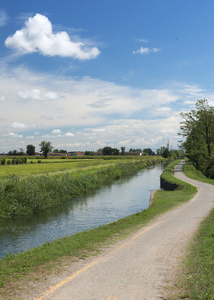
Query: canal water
x=126, y=196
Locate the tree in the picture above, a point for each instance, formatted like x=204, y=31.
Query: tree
x=110, y=151
x=148, y=151
x=198, y=128
x=46, y=147
x=135, y=150
x=30, y=149
x=122, y=150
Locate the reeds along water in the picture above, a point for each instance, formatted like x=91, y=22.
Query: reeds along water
x=23, y=195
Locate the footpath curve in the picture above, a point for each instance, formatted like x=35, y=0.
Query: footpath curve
x=140, y=267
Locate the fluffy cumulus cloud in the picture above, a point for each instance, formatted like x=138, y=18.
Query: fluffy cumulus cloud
x=59, y=133
x=37, y=36
x=146, y=50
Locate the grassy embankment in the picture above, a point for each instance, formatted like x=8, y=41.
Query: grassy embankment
x=23, y=194
x=18, y=268
x=198, y=279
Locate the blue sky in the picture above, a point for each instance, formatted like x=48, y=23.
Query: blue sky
x=86, y=74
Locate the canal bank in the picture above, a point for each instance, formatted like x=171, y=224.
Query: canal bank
x=126, y=196
x=16, y=271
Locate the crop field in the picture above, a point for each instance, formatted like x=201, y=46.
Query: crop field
x=52, y=166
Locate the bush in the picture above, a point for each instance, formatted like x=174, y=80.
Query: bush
x=3, y=161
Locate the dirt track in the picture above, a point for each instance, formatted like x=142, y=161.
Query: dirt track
x=139, y=267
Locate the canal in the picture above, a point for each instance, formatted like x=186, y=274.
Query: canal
x=126, y=196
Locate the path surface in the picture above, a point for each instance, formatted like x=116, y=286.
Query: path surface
x=139, y=267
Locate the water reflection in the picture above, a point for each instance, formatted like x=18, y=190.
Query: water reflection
x=125, y=197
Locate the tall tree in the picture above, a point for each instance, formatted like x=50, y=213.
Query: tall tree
x=30, y=150
x=198, y=128
x=123, y=150
x=46, y=147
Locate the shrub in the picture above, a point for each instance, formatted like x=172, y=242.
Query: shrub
x=3, y=161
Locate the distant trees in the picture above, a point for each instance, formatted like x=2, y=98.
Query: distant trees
x=30, y=149
x=46, y=147
x=110, y=151
x=148, y=151
x=89, y=152
x=135, y=150
x=16, y=153
x=59, y=151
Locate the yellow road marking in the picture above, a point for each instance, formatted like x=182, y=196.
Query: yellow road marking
x=69, y=278
x=112, y=298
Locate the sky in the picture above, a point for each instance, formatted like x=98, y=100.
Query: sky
x=89, y=74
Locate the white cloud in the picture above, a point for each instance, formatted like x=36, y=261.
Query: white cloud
x=36, y=94
x=56, y=131
x=69, y=134
x=37, y=36
x=19, y=125
x=146, y=50
x=59, y=133
x=3, y=18
x=95, y=112
x=13, y=135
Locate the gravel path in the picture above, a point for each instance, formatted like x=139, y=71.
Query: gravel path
x=140, y=266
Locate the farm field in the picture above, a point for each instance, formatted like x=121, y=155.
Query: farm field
x=52, y=166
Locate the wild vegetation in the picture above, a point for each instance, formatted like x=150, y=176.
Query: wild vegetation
x=25, y=194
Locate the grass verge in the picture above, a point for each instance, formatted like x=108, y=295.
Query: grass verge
x=198, y=279
x=15, y=269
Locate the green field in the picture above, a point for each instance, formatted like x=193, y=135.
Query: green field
x=59, y=165
x=50, y=166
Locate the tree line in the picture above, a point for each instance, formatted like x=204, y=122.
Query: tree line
x=46, y=147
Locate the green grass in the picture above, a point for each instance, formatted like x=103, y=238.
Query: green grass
x=198, y=277
x=52, y=166
x=21, y=195
x=17, y=268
